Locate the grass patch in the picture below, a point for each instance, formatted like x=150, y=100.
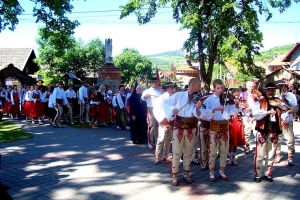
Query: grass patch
x=9, y=132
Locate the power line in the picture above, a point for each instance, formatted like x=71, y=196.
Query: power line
x=101, y=11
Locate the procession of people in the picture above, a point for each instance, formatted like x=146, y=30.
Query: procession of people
x=176, y=123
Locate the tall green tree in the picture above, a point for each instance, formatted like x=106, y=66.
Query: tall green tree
x=77, y=57
x=49, y=12
x=95, y=55
x=133, y=65
x=222, y=31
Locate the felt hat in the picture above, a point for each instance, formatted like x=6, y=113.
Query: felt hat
x=270, y=86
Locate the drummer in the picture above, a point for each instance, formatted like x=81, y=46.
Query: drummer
x=288, y=104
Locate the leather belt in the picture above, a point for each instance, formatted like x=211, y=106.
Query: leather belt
x=59, y=101
x=219, y=126
x=185, y=122
x=204, y=124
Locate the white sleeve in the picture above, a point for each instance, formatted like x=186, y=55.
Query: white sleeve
x=258, y=113
x=120, y=102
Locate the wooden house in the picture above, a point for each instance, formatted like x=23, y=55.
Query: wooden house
x=16, y=64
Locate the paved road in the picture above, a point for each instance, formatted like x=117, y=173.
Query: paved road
x=102, y=163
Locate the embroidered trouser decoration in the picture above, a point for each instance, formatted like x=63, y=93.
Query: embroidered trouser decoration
x=183, y=142
x=204, y=145
x=218, y=142
x=265, y=153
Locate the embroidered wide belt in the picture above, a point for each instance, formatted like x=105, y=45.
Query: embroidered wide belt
x=59, y=101
x=219, y=126
x=185, y=122
x=165, y=122
x=204, y=124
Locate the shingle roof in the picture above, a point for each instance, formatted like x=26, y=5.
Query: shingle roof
x=292, y=51
x=277, y=61
x=16, y=56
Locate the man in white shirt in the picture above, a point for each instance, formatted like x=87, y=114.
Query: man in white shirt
x=71, y=96
x=218, y=114
x=248, y=120
x=84, y=102
x=59, y=99
x=149, y=95
x=268, y=126
x=288, y=104
x=164, y=129
x=180, y=107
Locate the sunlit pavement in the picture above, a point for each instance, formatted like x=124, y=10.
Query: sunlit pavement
x=102, y=163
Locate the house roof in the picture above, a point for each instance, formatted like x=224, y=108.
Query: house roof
x=288, y=56
x=16, y=56
x=187, y=68
x=277, y=61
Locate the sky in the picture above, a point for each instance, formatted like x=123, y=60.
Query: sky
x=100, y=19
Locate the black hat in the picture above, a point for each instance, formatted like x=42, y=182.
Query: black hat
x=281, y=82
x=61, y=83
x=167, y=84
x=70, y=85
x=153, y=79
x=270, y=86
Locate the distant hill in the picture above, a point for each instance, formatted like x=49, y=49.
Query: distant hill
x=168, y=53
x=268, y=54
x=164, y=60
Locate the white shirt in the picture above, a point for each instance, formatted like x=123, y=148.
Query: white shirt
x=50, y=102
x=59, y=93
x=2, y=93
x=45, y=98
x=178, y=100
x=154, y=94
x=213, y=102
x=70, y=94
x=114, y=101
x=22, y=93
x=120, y=101
x=12, y=96
x=82, y=93
x=285, y=117
x=32, y=98
x=158, y=110
x=7, y=95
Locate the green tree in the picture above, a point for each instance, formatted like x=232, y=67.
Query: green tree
x=95, y=55
x=50, y=12
x=222, y=31
x=77, y=57
x=133, y=65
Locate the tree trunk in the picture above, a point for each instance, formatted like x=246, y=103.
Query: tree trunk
x=203, y=77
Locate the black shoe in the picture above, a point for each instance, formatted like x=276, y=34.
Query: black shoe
x=195, y=162
x=257, y=179
x=268, y=178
